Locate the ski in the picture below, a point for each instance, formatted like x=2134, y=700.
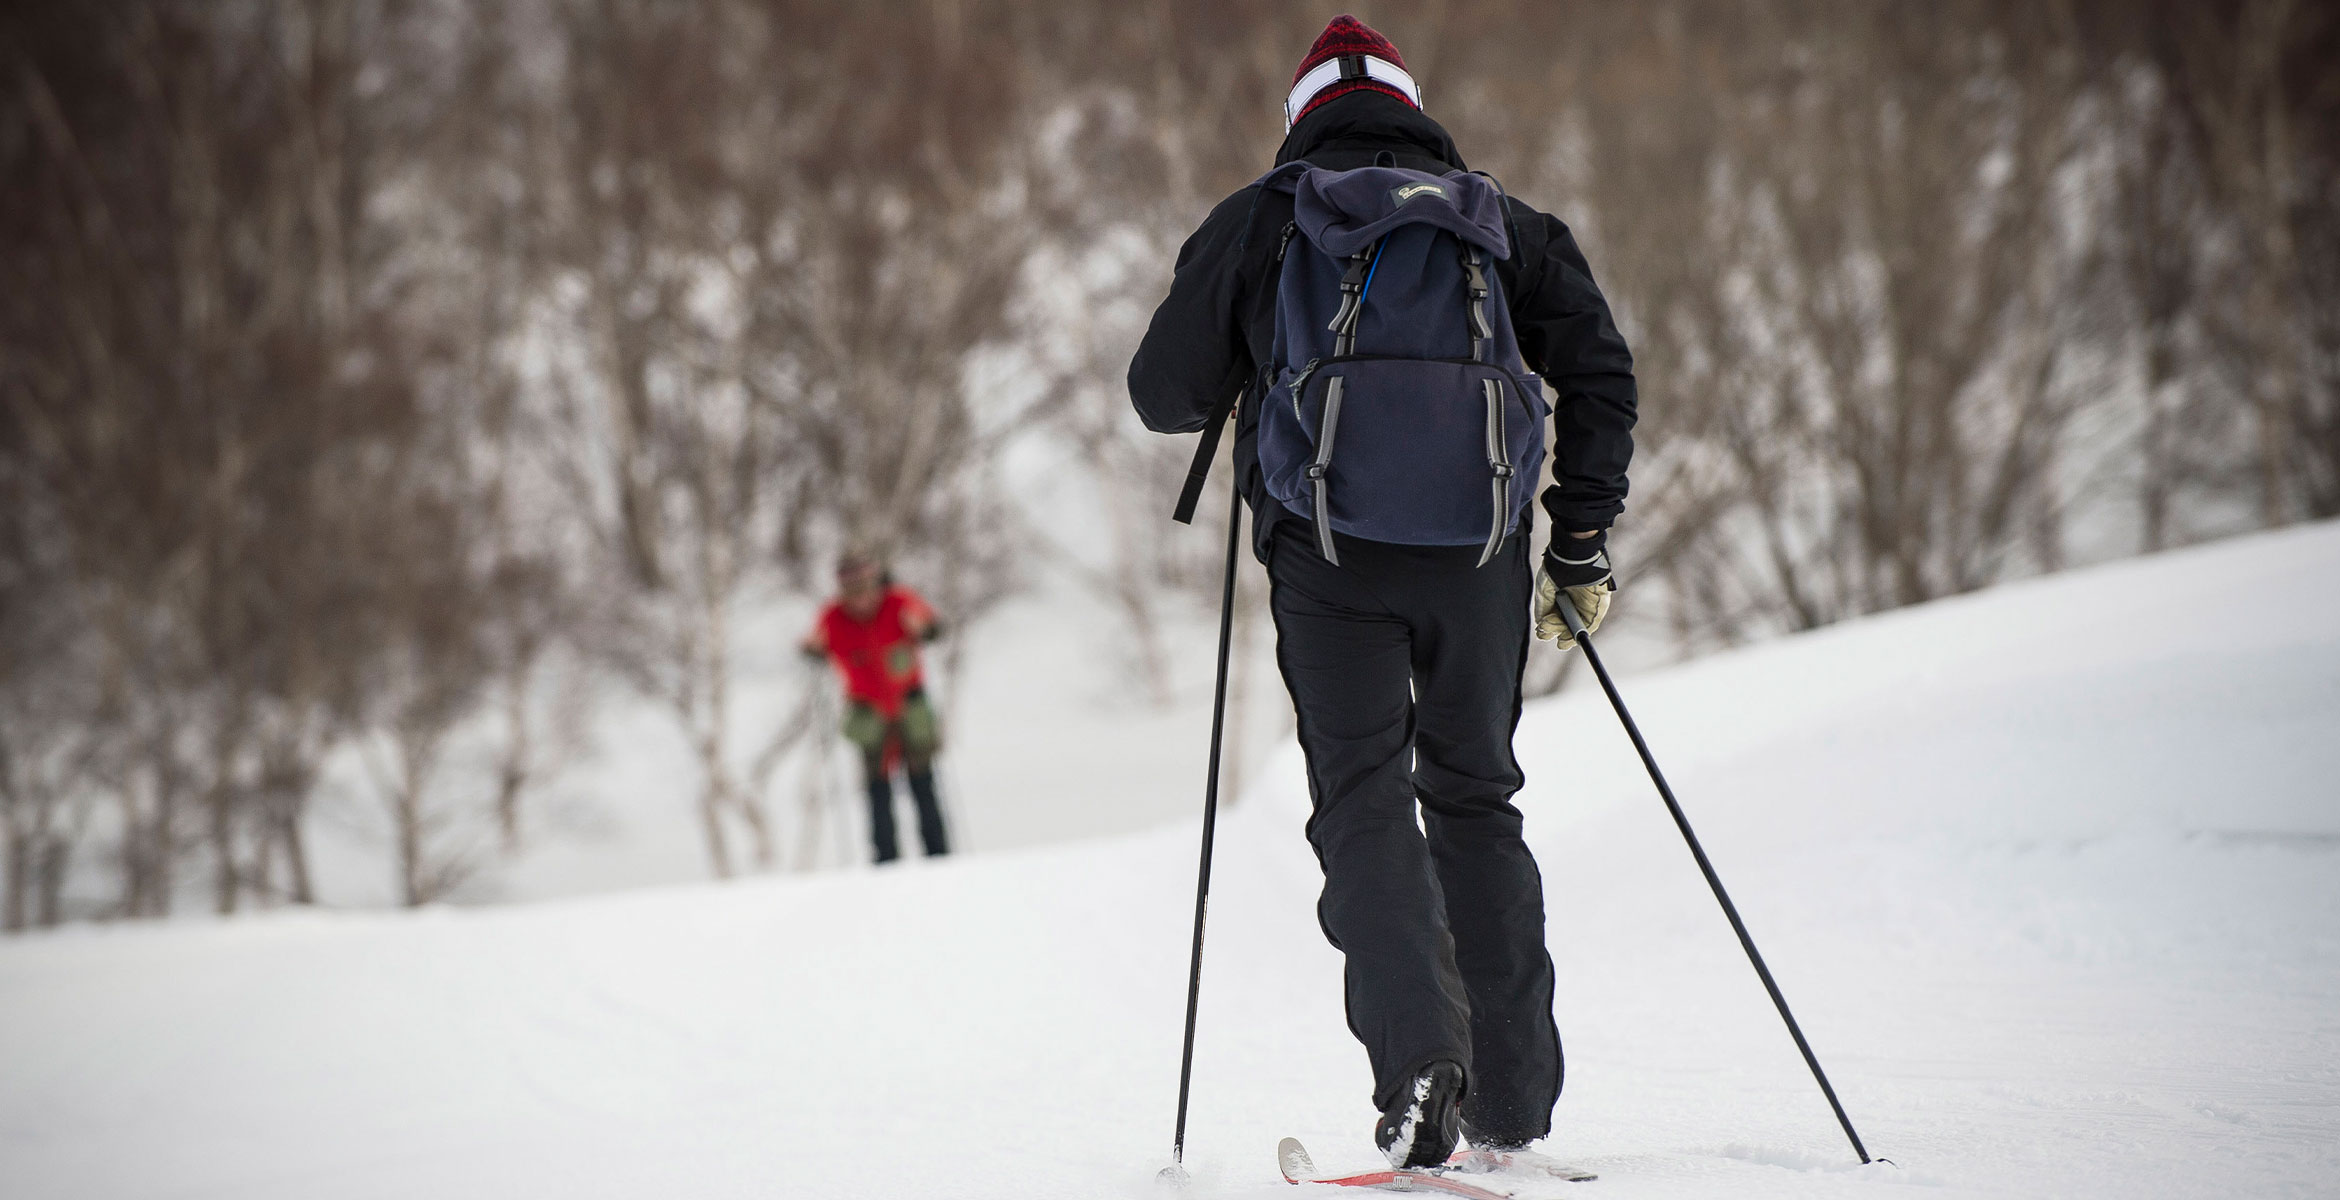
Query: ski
x=1516, y=1163
x=1293, y=1158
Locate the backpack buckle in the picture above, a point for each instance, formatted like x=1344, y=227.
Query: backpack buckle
x=1503, y=470
x=1315, y=471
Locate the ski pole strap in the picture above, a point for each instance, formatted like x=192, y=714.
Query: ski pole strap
x=1190, y=495
x=1204, y=452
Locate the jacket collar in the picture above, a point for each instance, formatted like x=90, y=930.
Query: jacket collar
x=1347, y=131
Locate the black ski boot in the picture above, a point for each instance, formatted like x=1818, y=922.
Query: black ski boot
x=1480, y=1139
x=1421, y=1130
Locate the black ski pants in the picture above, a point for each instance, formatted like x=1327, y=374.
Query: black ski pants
x=1404, y=665
x=883, y=840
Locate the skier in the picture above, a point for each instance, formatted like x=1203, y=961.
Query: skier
x=1403, y=658
x=870, y=632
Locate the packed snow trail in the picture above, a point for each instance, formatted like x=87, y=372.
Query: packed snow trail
x=2051, y=875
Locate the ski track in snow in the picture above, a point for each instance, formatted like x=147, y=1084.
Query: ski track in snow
x=2050, y=873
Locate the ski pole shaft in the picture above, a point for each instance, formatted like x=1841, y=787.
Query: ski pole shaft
x=1584, y=642
x=1202, y=886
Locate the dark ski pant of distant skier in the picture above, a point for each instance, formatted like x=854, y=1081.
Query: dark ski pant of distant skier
x=915, y=736
x=1404, y=666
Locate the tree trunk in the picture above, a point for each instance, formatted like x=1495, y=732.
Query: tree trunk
x=12, y=847
x=55, y=856
x=512, y=776
x=406, y=810
x=821, y=737
x=2154, y=484
x=812, y=823
x=296, y=853
x=224, y=884
x=150, y=834
x=418, y=757
x=15, y=874
x=711, y=813
x=261, y=875
x=134, y=873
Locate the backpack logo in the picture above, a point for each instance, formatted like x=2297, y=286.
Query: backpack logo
x=1411, y=190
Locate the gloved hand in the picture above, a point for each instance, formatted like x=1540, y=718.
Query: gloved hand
x=1577, y=568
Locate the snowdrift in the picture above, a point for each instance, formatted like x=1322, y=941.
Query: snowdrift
x=2051, y=875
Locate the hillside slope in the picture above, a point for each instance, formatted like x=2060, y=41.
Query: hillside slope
x=2052, y=875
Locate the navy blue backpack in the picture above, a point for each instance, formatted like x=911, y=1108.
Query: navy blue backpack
x=1397, y=407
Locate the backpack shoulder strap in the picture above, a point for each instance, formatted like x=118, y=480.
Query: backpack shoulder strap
x=1510, y=222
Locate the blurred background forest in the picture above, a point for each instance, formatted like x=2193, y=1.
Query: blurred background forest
x=384, y=384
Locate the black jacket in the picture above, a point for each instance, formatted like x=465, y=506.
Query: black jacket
x=1214, y=330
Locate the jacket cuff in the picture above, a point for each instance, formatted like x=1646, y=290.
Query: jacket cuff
x=1565, y=543
x=1579, y=512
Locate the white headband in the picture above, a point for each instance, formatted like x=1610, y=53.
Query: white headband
x=1329, y=72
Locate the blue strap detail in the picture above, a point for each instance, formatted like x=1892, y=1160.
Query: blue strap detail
x=1384, y=245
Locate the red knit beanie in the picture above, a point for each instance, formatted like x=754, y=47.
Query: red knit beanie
x=1346, y=36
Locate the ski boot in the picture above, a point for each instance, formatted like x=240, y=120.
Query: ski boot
x=1421, y=1130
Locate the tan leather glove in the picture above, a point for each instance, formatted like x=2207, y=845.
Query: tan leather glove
x=1585, y=581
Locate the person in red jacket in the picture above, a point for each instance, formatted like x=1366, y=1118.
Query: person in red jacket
x=870, y=633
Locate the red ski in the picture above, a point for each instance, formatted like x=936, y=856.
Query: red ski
x=1299, y=1168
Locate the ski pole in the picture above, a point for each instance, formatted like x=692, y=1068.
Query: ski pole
x=1175, y=1172
x=1576, y=628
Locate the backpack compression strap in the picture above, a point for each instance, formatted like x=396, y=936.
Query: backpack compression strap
x=1498, y=446
x=1482, y=337
x=1499, y=460
x=1316, y=470
x=1344, y=322
x=1344, y=329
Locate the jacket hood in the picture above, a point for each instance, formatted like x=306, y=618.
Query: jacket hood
x=1348, y=130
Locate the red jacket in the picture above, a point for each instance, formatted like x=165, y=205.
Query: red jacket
x=877, y=658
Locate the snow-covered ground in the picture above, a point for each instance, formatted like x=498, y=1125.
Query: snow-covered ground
x=2052, y=875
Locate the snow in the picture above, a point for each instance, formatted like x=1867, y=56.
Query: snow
x=2050, y=873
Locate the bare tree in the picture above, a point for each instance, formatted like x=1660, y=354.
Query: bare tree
x=2252, y=84
x=364, y=361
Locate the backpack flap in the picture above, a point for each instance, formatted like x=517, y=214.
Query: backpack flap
x=1343, y=212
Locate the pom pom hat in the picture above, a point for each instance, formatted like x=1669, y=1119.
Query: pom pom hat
x=1348, y=57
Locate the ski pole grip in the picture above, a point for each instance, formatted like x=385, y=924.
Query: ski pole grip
x=1569, y=614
